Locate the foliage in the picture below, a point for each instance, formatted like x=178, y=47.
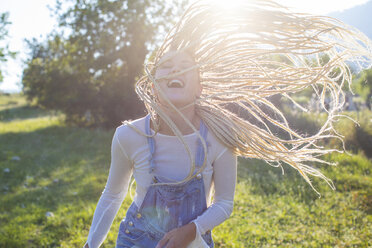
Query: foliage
x=357, y=136
x=363, y=86
x=5, y=53
x=89, y=75
x=354, y=127
x=63, y=170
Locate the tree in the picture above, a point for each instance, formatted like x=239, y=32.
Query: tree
x=363, y=86
x=5, y=53
x=90, y=74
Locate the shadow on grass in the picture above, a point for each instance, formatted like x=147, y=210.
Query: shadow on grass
x=350, y=177
x=22, y=113
x=264, y=179
x=63, y=169
x=56, y=165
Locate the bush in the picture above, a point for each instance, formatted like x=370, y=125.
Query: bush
x=357, y=136
x=90, y=75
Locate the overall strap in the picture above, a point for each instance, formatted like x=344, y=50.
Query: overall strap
x=151, y=142
x=200, y=149
x=199, y=152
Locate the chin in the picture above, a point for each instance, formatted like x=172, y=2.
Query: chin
x=179, y=103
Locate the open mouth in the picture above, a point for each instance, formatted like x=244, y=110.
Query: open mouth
x=175, y=83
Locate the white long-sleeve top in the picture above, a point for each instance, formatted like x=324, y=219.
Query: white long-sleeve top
x=130, y=155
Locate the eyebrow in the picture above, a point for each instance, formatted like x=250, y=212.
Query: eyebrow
x=182, y=61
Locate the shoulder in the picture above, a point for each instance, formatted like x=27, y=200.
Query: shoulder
x=217, y=148
x=129, y=134
x=130, y=127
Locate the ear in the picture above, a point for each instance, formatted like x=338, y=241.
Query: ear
x=199, y=90
x=200, y=86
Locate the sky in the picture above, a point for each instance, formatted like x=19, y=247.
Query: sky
x=32, y=19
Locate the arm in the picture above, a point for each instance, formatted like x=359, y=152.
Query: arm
x=113, y=194
x=224, y=176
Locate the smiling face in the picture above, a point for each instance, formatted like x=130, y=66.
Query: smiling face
x=180, y=89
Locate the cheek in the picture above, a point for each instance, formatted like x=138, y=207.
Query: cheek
x=161, y=73
x=194, y=81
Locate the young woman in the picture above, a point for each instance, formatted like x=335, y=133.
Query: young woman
x=206, y=94
x=163, y=158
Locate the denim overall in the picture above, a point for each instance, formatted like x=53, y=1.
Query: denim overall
x=164, y=207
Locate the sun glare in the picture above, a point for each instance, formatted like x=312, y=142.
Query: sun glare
x=313, y=7
x=229, y=4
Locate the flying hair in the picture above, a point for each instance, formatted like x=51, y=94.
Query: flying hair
x=236, y=51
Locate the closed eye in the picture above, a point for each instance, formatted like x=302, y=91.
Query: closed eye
x=166, y=66
x=187, y=64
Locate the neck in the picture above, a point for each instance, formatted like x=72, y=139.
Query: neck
x=185, y=129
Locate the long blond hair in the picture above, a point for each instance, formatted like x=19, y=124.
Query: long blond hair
x=236, y=52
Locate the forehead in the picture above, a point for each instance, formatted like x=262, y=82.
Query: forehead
x=175, y=56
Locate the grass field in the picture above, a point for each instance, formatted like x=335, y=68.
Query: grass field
x=51, y=177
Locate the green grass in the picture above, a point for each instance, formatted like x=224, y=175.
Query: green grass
x=63, y=170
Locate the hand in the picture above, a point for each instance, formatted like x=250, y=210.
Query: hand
x=178, y=237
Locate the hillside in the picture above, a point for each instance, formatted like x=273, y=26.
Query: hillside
x=359, y=17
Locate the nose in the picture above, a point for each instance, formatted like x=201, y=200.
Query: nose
x=175, y=68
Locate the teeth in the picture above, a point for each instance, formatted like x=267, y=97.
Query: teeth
x=175, y=83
